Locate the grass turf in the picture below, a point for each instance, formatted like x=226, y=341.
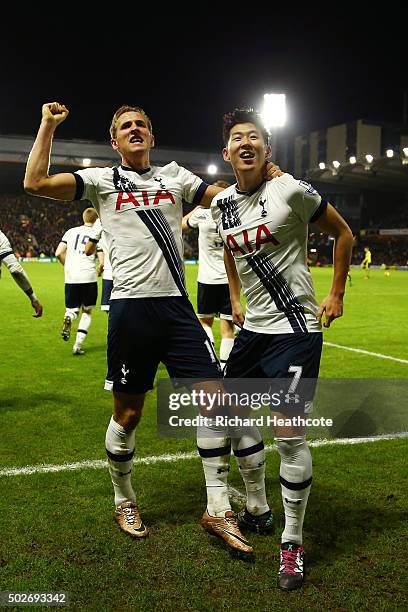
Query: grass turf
x=57, y=530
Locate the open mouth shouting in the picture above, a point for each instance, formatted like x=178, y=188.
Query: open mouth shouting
x=247, y=155
x=136, y=140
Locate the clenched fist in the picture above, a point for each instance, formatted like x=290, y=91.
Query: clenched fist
x=54, y=112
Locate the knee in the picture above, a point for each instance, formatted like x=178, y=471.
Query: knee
x=294, y=450
x=128, y=411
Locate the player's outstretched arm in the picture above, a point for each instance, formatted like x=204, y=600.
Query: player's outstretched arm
x=61, y=252
x=22, y=280
x=36, y=305
x=234, y=288
x=37, y=181
x=90, y=247
x=209, y=194
x=184, y=223
x=332, y=223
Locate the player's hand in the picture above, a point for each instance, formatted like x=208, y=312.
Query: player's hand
x=238, y=316
x=100, y=270
x=54, y=113
x=332, y=308
x=271, y=171
x=37, y=307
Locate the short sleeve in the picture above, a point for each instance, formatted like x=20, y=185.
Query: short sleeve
x=95, y=232
x=5, y=246
x=87, y=181
x=193, y=188
x=196, y=218
x=306, y=202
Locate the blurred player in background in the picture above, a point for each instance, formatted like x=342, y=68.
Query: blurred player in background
x=81, y=287
x=17, y=272
x=212, y=286
x=366, y=263
x=104, y=267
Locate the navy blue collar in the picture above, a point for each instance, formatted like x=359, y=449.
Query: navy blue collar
x=135, y=169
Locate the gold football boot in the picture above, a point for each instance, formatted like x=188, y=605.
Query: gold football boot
x=128, y=518
x=227, y=529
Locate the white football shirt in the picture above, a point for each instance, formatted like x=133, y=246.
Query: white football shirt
x=5, y=246
x=211, y=269
x=78, y=268
x=266, y=231
x=141, y=215
x=97, y=236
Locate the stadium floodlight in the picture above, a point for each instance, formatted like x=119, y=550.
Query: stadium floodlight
x=389, y=153
x=322, y=165
x=352, y=159
x=212, y=169
x=336, y=164
x=86, y=161
x=274, y=110
x=369, y=158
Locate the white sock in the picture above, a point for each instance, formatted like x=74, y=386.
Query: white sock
x=225, y=349
x=83, y=326
x=296, y=478
x=71, y=313
x=215, y=451
x=209, y=333
x=249, y=451
x=120, y=448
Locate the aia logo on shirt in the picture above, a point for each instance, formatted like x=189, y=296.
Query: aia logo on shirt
x=127, y=190
x=143, y=199
x=250, y=241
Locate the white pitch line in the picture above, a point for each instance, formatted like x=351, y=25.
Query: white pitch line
x=355, y=350
x=169, y=458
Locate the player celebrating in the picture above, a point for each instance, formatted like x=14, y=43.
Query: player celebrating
x=213, y=293
x=151, y=319
x=81, y=287
x=9, y=259
x=264, y=227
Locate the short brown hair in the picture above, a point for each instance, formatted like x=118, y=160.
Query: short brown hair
x=126, y=109
x=222, y=184
x=242, y=115
x=89, y=215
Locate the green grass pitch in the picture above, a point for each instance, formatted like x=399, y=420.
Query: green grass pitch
x=57, y=531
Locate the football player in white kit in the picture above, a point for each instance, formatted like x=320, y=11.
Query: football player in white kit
x=150, y=319
x=264, y=227
x=17, y=272
x=81, y=287
x=105, y=267
x=212, y=284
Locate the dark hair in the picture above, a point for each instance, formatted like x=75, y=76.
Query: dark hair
x=222, y=184
x=125, y=109
x=243, y=115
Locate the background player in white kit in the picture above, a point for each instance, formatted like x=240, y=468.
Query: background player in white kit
x=81, y=287
x=104, y=266
x=17, y=272
x=212, y=285
x=264, y=227
x=140, y=208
